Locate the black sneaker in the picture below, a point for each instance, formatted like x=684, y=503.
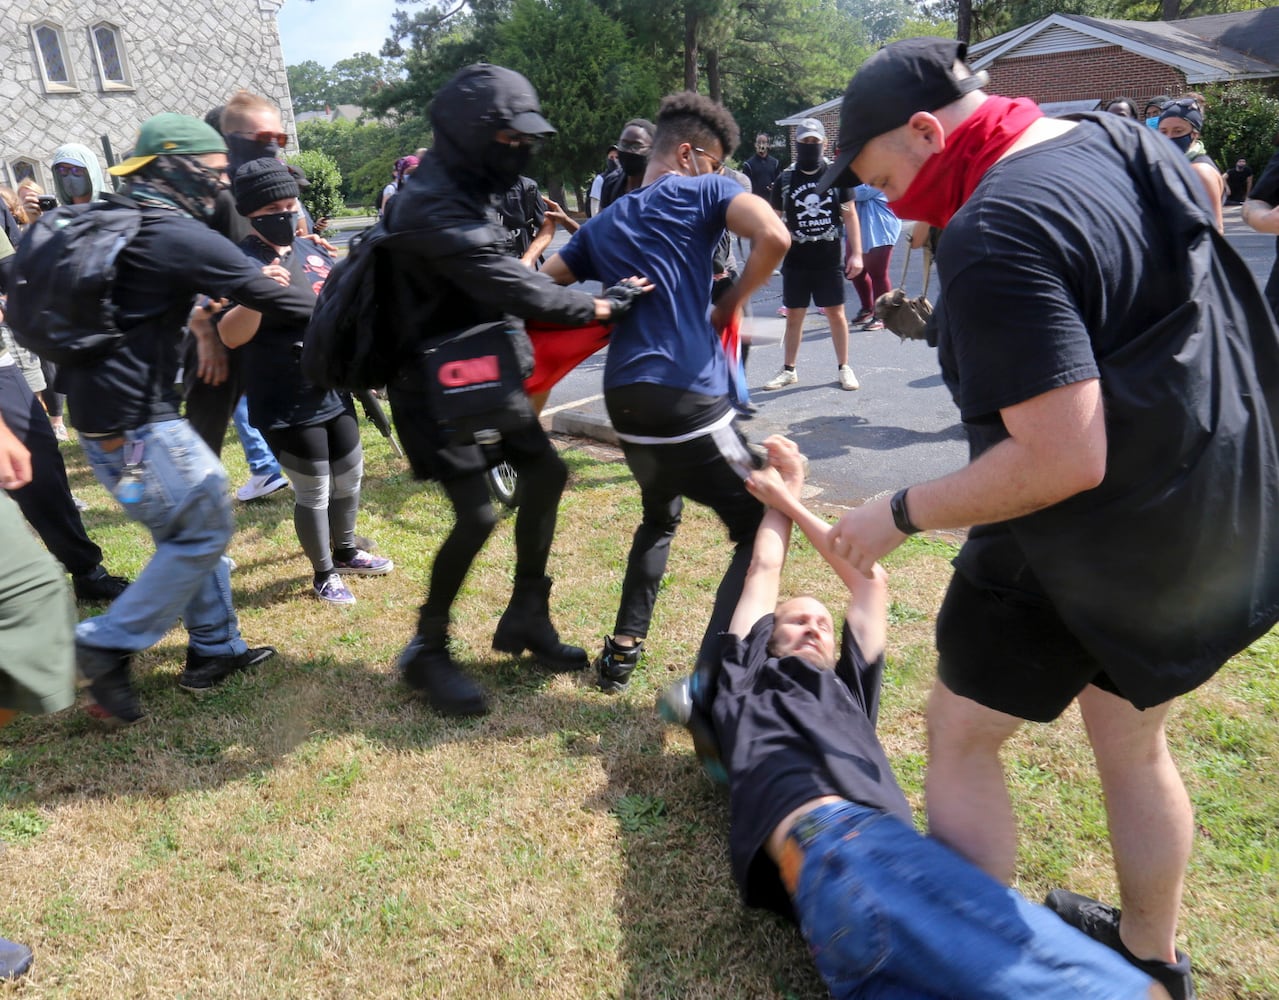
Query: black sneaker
x=1100, y=921
x=205, y=672
x=105, y=675
x=98, y=585
x=677, y=705
x=614, y=665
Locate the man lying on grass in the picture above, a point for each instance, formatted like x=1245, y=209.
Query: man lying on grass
x=819, y=829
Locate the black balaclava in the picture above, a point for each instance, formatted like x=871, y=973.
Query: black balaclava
x=808, y=156
x=180, y=182
x=468, y=111
x=634, y=164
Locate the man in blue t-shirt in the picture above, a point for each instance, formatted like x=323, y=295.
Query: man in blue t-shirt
x=819, y=830
x=666, y=380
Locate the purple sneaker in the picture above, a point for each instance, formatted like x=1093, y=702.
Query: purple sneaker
x=364, y=564
x=333, y=590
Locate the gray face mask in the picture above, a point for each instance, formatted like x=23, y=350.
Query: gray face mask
x=77, y=187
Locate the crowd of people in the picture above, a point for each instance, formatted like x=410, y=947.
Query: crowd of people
x=1092, y=445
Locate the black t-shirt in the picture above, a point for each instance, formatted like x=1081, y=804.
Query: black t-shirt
x=762, y=171
x=1237, y=181
x=172, y=259
x=1267, y=190
x=279, y=394
x=791, y=732
x=1171, y=565
x=813, y=218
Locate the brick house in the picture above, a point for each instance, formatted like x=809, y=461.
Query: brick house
x=1069, y=62
x=78, y=70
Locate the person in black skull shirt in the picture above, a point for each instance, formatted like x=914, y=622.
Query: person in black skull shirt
x=1261, y=211
x=453, y=272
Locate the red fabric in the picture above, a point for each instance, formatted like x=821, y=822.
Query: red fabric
x=557, y=350
x=947, y=180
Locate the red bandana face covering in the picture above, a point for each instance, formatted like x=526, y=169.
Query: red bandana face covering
x=947, y=180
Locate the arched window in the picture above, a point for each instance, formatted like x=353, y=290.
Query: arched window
x=108, y=52
x=52, y=58
x=22, y=168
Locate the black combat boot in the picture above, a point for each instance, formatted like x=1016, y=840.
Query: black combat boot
x=615, y=664
x=526, y=624
x=426, y=667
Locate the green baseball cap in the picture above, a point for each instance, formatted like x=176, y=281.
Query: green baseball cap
x=170, y=134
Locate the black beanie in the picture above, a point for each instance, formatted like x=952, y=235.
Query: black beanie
x=260, y=182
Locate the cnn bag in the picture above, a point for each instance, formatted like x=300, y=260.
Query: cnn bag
x=475, y=382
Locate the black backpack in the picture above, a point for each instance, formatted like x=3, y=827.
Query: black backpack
x=62, y=280
x=351, y=343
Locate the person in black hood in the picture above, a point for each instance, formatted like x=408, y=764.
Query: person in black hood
x=451, y=270
x=634, y=146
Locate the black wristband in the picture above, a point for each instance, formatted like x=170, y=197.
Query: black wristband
x=901, y=516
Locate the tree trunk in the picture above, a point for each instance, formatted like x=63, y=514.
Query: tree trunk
x=964, y=21
x=1169, y=10
x=556, y=190
x=690, y=50
x=712, y=75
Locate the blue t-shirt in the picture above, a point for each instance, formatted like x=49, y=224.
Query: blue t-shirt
x=665, y=232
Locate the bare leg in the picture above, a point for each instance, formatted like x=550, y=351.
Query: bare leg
x=1149, y=814
x=794, y=334
x=838, y=320
x=968, y=805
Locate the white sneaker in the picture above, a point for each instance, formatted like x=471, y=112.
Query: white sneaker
x=261, y=486
x=847, y=378
x=782, y=379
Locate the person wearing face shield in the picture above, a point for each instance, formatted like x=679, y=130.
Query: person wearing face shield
x=449, y=270
x=634, y=146
x=126, y=409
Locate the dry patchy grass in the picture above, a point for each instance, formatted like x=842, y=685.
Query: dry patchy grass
x=310, y=831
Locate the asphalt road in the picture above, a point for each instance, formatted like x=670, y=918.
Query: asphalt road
x=900, y=427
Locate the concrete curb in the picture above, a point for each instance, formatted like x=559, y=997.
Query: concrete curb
x=586, y=425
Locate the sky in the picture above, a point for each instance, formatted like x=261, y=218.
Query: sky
x=329, y=30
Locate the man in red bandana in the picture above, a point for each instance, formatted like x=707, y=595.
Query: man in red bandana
x=1117, y=373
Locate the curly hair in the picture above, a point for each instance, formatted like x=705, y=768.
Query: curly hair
x=694, y=118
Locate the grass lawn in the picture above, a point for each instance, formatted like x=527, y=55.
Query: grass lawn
x=311, y=831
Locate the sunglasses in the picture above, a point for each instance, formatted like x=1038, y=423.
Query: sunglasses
x=718, y=167
x=69, y=170
x=263, y=138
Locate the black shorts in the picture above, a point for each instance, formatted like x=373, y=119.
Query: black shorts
x=823, y=287
x=1007, y=648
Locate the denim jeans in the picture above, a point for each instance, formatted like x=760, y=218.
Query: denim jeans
x=185, y=506
x=256, y=451
x=888, y=913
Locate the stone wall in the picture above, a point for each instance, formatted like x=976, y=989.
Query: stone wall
x=183, y=55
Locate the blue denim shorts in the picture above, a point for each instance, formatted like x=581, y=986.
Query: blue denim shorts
x=888, y=912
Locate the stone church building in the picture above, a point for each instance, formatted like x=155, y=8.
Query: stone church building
x=85, y=70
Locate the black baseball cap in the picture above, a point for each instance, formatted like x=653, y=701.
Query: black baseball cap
x=491, y=95
x=915, y=74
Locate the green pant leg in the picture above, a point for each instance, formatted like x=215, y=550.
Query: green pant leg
x=37, y=622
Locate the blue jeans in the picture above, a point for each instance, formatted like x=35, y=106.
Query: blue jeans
x=256, y=451
x=185, y=506
x=888, y=913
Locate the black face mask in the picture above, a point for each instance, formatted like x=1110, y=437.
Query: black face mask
x=808, y=156
x=633, y=164
x=1183, y=142
x=502, y=164
x=241, y=150
x=277, y=229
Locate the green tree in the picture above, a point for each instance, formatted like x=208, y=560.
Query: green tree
x=364, y=152
x=1241, y=121
x=358, y=79
x=323, y=195
x=311, y=86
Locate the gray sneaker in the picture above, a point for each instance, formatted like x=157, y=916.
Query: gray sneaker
x=782, y=379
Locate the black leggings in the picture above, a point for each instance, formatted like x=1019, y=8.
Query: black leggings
x=542, y=479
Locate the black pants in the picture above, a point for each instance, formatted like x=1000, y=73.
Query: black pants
x=699, y=469
x=209, y=407
x=46, y=501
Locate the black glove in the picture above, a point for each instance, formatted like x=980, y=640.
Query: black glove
x=621, y=297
